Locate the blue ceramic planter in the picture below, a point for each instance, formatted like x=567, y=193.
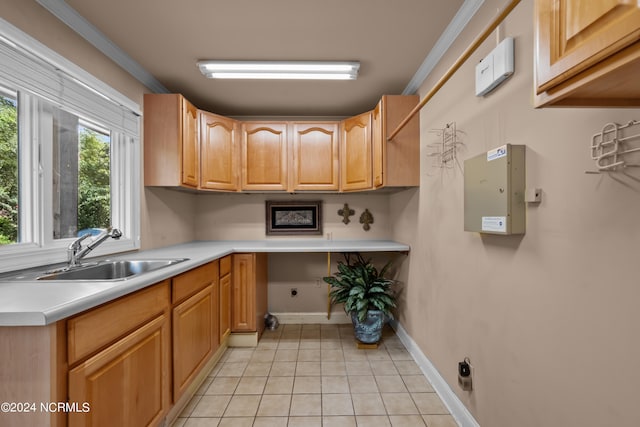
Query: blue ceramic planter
x=369, y=331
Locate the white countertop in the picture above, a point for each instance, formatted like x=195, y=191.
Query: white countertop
x=36, y=303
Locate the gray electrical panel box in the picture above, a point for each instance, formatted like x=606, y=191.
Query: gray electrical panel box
x=494, y=184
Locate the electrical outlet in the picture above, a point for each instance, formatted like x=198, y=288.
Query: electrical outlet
x=294, y=292
x=465, y=375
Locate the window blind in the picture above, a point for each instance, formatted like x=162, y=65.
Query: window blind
x=27, y=72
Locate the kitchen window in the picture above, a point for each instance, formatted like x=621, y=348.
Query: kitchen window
x=69, y=156
x=81, y=181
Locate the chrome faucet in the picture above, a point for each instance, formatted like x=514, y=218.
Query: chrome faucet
x=75, y=251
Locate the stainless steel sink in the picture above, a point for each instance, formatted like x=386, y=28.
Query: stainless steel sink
x=111, y=270
x=106, y=270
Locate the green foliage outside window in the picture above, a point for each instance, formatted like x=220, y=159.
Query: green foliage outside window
x=94, y=190
x=8, y=171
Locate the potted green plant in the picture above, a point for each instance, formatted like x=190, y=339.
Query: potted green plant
x=366, y=294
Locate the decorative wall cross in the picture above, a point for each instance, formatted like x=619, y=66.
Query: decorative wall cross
x=345, y=213
x=366, y=218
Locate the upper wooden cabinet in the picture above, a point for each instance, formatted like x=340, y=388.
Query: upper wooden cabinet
x=264, y=156
x=355, y=153
x=587, y=53
x=195, y=149
x=219, y=152
x=315, y=156
x=171, y=149
x=396, y=163
x=190, y=146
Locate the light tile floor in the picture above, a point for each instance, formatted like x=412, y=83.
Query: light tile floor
x=313, y=376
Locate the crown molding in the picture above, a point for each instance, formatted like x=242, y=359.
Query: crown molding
x=448, y=36
x=65, y=13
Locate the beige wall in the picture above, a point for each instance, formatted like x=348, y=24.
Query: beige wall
x=549, y=320
x=167, y=217
x=242, y=217
x=304, y=272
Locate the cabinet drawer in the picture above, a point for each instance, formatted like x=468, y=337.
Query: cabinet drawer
x=187, y=284
x=95, y=329
x=225, y=265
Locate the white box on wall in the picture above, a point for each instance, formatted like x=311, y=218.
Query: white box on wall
x=495, y=68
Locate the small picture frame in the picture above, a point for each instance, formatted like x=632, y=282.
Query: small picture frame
x=293, y=218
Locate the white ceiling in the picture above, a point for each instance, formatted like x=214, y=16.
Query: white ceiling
x=390, y=38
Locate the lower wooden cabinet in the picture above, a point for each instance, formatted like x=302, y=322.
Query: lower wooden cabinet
x=195, y=336
x=126, y=383
x=132, y=361
x=249, y=296
x=131, y=358
x=93, y=330
x=194, y=323
x=225, y=298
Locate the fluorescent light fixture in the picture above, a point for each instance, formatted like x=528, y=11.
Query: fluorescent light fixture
x=296, y=70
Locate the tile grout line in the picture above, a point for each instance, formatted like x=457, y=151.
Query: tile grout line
x=333, y=340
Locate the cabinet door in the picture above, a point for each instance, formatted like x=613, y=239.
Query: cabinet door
x=355, y=153
x=243, y=297
x=396, y=163
x=170, y=141
x=573, y=35
x=378, y=140
x=225, y=306
x=190, y=155
x=315, y=156
x=126, y=384
x=225, y=297
x=218, y=152
x=195, y=336
x=264, y=156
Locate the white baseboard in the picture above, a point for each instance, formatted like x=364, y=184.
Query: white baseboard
x=455, y=406
x=337, y=317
